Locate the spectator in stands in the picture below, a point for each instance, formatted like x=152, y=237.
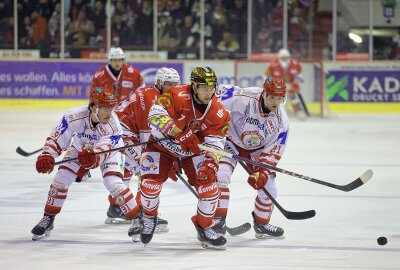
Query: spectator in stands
x=190, y=37
x=39, y=30
x=45, y=8
x=227, y=46
x=81, y=29
x=170, y=34
x=238, y=21
x=145, y=23
x=54, y=24
x=98, y=17
x=25, y=41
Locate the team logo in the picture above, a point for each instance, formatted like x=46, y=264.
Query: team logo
x=251, y=138
x=120, y=200
x=53, y=192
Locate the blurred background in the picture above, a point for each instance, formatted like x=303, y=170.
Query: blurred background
x=341, y=44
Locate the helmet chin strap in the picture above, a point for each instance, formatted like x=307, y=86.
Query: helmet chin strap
x=95, y=113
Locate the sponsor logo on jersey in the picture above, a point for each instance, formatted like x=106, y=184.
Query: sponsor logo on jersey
x=185, y=95
x=252, y=121
x=62, y=127
x=127, y=84
x=148, y=164
x=130, y=69
x=207, y=188
x=154, y=186
x=90, y=137
x=271, y=126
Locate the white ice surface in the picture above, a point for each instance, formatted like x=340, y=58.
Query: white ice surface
x=342, y=235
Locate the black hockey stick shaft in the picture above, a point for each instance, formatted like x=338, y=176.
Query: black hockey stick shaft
x=365, y=177
x=232, y=231
x=22, y=152
x=113, y=150
x=303, y=103
x=287, y=214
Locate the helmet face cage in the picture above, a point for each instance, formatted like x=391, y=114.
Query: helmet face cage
x=167, y=75
x=275, y=86
x=102, y=98
x=116, y=53
x=204, y=75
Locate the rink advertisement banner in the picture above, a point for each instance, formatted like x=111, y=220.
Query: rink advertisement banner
x=55, y=80
x=363, y=82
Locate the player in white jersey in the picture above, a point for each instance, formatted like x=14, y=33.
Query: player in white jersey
x=258, y=130
x=82, y=132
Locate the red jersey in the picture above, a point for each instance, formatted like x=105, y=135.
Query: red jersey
x=289, y=74
x=133, y=112
x=128, y=80
x=177, y=103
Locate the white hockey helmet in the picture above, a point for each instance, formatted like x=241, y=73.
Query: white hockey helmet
x=165, y=74
x=116, y=53
x=283, y=54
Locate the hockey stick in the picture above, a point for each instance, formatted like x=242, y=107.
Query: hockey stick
x=20, y=151
x=303, y=103
x=287, y=214
x=112, y=150
x=365, y=177
x=232, y=231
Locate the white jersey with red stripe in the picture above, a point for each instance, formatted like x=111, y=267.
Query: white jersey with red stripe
x=256, y=134
x=77, y=130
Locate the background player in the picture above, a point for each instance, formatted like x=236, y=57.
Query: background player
x=290, y=70
x=117, y=75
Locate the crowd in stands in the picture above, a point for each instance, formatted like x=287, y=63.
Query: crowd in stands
x=178, y=29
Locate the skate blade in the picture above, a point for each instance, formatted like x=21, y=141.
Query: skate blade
x=135, y=238
x=41, y=237
x=117, y=221
x=266, y=236
x=162, y=228
x=207, y=245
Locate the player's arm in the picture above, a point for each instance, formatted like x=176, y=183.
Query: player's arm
x=58, y=141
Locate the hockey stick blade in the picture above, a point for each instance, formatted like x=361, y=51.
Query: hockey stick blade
x=20, y=151
x=288, y=214
x=241, y=229
x=365, y=177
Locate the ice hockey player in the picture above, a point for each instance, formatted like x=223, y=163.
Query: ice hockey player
x=121, y=77
x=258, y=130
x=189, y=115
x=290, y=70
x=82, y=132
x=132, y=114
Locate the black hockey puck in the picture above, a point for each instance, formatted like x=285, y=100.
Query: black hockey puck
x=382, y=241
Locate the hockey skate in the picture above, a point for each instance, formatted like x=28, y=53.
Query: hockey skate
x=115, y=216
x=209, y=238
x=219, y=226
x=148, y=228
x=136, y=229
x=267, y=231
x=162, y=226
x=43, y=228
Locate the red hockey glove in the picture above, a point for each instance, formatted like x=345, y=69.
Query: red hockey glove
x=88, y=159
x=44, y=163
x=258, y=179
x=172, y=172
x=208, y=170
x=188, y=141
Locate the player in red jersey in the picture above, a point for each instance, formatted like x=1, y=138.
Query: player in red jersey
x=118, y=75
